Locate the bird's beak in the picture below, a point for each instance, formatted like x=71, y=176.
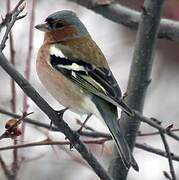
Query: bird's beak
x=43, y=27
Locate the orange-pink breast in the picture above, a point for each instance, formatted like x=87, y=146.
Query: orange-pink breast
x=61, y=88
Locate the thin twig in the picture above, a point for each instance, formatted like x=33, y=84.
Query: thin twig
x=6, y=171
x=152, y=122
x=144, y=146
x=28, y=61
x=93, y=134
x=142, y=134
x=156, y=151
x=49, y=142
x=141, y=118
x=167, y=149
x=104, y=138
x=13, y=18
x=169, y=29
x=15, y=164
x=12, y=60
x=8, y=16
x=83, y=124
x=86, y=127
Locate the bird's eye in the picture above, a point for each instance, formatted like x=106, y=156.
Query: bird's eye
x=59, y=25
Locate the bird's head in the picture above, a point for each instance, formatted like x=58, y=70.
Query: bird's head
x=62, y=25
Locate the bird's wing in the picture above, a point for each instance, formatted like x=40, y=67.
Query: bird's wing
x=96, y=80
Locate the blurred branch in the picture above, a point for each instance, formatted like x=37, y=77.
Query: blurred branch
x=84, y=125
x=150, y=121
x=144, y=146
x=157, y=151
x=28, y=61
x=9, y=15
x=12, y=60
x=94, y=134
x=167, y=149
x=169, y=29
x=98, y=141
x=6, y=171
x=139, y=79
x=154, y=123
x=12, y=17
x=50, y=142
x=155, y=133
x=15, y=164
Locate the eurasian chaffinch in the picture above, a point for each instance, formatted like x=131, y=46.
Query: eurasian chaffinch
x=74, y=70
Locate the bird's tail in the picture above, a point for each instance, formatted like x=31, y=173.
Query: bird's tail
x=109, y=115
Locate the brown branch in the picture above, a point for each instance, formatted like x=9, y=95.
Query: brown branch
x=9, y=20
x=28, y=61
x=156, y=151
x=140, y=134
x=104, y=137
x=49, y=142
x=115, y=12
x=84, y=125
x=144, y=146
x=29, y=54
x=12, y=60
x=93, y=134
x=153, y=122
x=9, y=15
x=169, y=157
x=15, y=163
x=13, y=94
x=13, y=17
x=6, y=171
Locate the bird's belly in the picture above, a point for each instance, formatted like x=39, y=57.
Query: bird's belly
x=62, y=89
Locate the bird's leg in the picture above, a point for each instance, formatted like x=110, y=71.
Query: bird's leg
x=82, y=126
x=80, y=129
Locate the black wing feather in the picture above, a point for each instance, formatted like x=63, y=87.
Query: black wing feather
x=104, y=84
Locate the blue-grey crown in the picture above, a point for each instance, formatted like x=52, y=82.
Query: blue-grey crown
x=71, y=18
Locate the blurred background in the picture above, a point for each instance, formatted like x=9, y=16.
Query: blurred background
x=117, y=43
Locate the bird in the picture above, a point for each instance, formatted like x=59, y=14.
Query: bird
x=75, y=72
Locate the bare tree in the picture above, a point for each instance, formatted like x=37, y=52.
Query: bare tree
x=150, y=27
